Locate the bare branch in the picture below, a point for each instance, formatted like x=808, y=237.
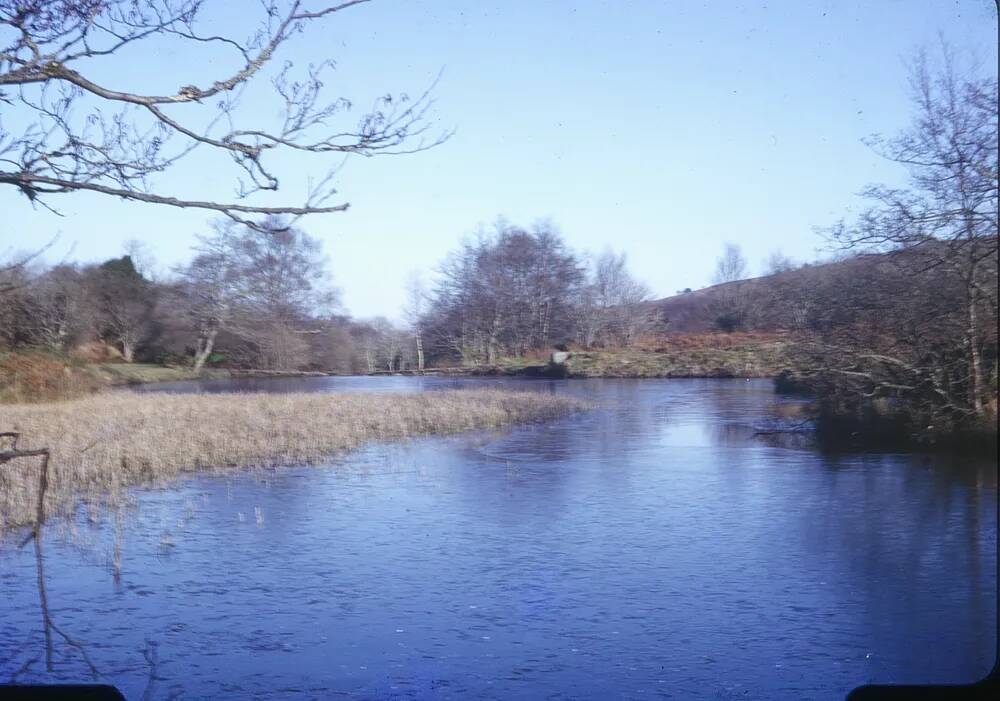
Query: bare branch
x=71, y=141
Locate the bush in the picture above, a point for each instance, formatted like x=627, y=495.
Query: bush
x=728, y=322
x=786, y=382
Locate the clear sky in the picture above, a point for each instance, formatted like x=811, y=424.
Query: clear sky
x=662, y=129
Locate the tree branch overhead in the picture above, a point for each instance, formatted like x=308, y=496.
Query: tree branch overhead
x=77, y=132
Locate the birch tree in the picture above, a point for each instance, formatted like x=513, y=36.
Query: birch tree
x=414, y=310
x=943, y=225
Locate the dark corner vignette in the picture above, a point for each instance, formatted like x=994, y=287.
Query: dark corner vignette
x=358, y=348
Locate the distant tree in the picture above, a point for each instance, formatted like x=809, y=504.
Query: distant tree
x=333, y=348
x=124, y=302
x=389, y=346
x=776, y=263
x=14, y=266
x=505, y=293
x=730, y=266
x=266, y=284
x=413, y=311
x=67, y=128
x=59, y=313
x=208, y=291
x=730, y=305
x=142, y=258
x=613, y=303
x=14, y=279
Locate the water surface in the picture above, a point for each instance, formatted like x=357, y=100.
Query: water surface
x=652, y=548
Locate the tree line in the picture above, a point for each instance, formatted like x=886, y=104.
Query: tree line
x=260, y=297
x=256, y=297
x=511, y=290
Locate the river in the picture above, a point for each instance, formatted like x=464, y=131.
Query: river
x=651, y=548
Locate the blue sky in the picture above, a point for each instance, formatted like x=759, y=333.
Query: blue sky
x=663, y=129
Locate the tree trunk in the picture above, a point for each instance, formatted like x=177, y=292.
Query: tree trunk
x=975, y=359
x=206, y=343
x=420, y=352
x=491, y=342
x=128, y=351
x=546, y=308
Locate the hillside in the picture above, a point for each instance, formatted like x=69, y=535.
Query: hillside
x=697, y=311
x=804, y=297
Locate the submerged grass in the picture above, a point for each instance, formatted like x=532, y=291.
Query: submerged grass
x=104, y=443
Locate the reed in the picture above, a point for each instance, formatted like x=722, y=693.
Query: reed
x=103, y=443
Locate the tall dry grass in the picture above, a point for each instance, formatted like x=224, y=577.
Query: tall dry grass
x=103, y=443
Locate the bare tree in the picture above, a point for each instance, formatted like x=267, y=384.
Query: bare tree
x=266, y=284
x=71, y=130
x=945, y=222
x=124, y=301
x=416, y=301
x=777, y=262
x=58, y=310
x=730, y=304
x=880, y=345
x=207, y=293
x=505, y=293
x=142, y=258
x=731, y=266
x=13, y=267
x=613, y=304
x=385, y=347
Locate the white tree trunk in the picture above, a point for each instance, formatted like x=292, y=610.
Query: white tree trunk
x=975, y=359
x=206, y=344
x=420, y=351
x=128, y=350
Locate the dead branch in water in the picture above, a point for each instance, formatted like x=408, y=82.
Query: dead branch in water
x=794, y=428
x=11, y=452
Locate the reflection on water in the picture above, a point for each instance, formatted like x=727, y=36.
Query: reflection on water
x=654, y=547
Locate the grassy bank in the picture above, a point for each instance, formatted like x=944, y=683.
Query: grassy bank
x=709, y=362
x=103, y=443
x=37, y=375
x=42, y=376
x=687, y=355
x=140, y=373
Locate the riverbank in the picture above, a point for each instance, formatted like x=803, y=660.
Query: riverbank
x=43, y=376
x=103, y=443
x=688, y=355
x=117, y=374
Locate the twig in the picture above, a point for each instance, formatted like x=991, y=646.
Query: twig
x=22, y=669
x=151, y=658
x=789, y=429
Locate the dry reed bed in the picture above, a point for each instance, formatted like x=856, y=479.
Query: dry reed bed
x=106, y=442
